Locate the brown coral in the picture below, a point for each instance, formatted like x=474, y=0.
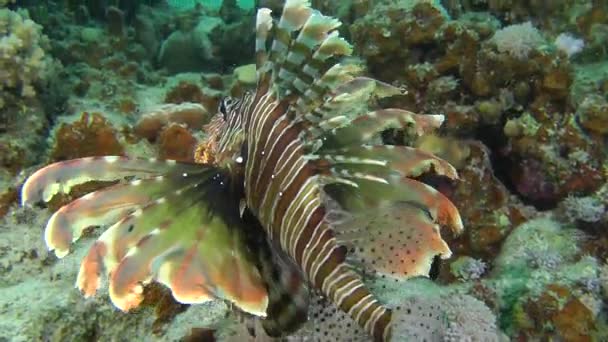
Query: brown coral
x=7, y=199
x=192, y=115
x=185, y=92
x=487, y=209
x=557, y=308
x=176, y=142
x=92, y=135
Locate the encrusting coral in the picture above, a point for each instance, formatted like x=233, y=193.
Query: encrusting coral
x=23, y=61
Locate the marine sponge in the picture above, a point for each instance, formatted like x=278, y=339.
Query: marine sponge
x=23, y=63
x=448, y=318
x=518, y=40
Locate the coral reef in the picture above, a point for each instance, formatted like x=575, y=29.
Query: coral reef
x=24, y=64
x=91, y=135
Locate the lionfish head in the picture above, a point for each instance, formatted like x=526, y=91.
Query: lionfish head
x=224, y=143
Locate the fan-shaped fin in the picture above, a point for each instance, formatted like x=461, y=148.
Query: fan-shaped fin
x=294, y=16
x=301, y=67
x=314, y=68
x=100, y=208
x=384, y=160
x=180, y=226
x=187, y=240
x=113, y=245
x=327, y=323
x=62, y=176
x=309, y=103
x=373, y=193
x=364, y=127
x=395, y=239
x=288, y=295
x=321, y=103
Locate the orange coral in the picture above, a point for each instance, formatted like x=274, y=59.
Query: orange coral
x=185, y=92
x=485, y=205
x=193, y=115
x=92, y=135
x=176, y=142
x=557, y=307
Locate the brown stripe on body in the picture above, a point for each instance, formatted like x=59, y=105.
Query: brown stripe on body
x=299, y=213
x=283, y=175
x=257, y=137
x=348, y=292
x=303, y=233
x=327, y=270
x=281, y=138
x=289, y=195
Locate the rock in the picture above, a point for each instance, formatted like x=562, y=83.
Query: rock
x=185, y=51
x=245, y=74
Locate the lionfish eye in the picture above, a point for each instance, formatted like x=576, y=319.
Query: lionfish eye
x=222, y=109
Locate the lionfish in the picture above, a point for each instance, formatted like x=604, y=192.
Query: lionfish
x=297, y=202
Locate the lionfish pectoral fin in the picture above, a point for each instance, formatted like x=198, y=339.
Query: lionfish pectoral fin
x=366, y=126
x=171, y=227
x=100, y=208
x=381, y=161
x=441, y=209
x=395, y=239
x=377, y=184
x=180, y=241
x=62, y=176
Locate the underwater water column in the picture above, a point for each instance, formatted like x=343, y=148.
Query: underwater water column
x=187, y=4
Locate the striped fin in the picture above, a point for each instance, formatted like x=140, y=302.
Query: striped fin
x=263, y=26
x=314, y=45
x=371, y=193
x=384, y=160
x=100, y=208
x=114, y=244
x=309, y=103
x=322, y=101
x=287, y=289
x=364, y=127
x=395, y=240
x=295, y=15
x=441, y=209
x=62, y=176
x=315, y=67
x=185, y=240
x=288, y=295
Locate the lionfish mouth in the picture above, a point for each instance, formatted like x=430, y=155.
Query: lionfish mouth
x=315, y=203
